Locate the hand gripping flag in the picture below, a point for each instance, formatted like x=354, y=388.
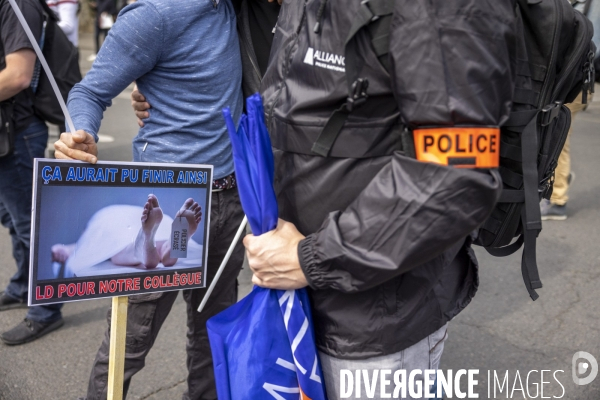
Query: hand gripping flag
x=263, y=347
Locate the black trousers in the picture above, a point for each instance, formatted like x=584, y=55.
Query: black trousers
x=97, y=32
x=147, y=312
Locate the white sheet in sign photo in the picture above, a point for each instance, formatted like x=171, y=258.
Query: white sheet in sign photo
x=108, y=232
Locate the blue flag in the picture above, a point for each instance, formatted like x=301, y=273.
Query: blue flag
x=263, y=347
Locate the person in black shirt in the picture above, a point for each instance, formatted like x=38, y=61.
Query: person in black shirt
x=17, y=65
x=256, y=20
x=256, y=23
x=100, y=7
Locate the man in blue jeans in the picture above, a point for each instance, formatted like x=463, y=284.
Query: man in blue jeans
x=17, y=62
x=184, y=56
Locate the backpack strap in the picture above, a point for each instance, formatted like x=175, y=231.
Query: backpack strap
x=506, y=250
x=586, y=7
x=530, y=214
x=49, y=13
x=322, y=146
x=376, y=15
x=37, y=70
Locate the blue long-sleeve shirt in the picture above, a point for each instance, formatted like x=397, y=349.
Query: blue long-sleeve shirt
x=184, y=57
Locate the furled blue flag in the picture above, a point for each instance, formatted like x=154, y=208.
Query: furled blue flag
x=263, y=347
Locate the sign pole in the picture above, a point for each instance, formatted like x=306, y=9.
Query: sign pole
x=116, y=359
x=237, y=237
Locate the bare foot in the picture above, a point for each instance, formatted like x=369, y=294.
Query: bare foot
x=145, y=248
x=61, y=252
x=192, y=212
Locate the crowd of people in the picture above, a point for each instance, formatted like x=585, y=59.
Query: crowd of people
x=376, y=304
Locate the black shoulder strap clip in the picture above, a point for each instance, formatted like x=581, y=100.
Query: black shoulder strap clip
x=359, y=94
x=549, y=113
x=368, y=12
x=322, y=146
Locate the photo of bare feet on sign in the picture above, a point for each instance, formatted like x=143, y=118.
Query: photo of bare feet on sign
x=148, y=252
x=123, y=238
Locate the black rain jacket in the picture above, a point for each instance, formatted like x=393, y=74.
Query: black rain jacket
x=387, y=250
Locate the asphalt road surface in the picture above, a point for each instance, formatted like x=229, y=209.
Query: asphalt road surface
x=502, y=331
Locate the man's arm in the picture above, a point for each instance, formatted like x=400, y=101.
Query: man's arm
x=132, y=49
x=411, y=212
x=19, y=55
x=16, y=77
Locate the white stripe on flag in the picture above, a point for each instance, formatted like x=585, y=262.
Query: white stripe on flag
x=289, y=295
x=313, y=374
x=273, y=389
x=286, y=364
x=297, y=341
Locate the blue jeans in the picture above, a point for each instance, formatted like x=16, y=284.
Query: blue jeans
x=16, y=177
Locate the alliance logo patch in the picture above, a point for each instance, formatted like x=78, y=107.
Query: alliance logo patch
x=325, y=60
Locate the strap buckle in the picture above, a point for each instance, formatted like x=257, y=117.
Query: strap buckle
x=547, y=183
x=359, y=94
x=549, y=113
x=365, y=4
x=588, y=78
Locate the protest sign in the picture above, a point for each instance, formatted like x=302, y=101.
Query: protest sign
x=117, y=229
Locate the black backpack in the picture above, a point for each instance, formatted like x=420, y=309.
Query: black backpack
x=63, y=60
x=555, y=64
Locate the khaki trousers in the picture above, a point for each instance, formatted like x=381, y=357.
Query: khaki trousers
x=563, y=169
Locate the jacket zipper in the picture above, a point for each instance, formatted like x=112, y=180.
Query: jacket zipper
x=556, y=153
x=288, y=61
x=252, y=57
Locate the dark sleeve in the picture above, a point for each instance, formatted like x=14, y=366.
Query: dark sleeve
x=410, y=213
x=452, y=65
x=237, y=6
x=453, y=62
x=13, y=35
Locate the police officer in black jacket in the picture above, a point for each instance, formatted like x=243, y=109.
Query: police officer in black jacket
x=382, y=240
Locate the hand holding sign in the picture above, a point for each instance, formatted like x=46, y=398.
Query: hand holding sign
x=76, y=146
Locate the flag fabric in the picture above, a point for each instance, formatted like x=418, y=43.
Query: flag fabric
x=254, y=166
x=263, y=347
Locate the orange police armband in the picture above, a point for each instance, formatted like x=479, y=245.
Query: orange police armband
x=459, y=147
